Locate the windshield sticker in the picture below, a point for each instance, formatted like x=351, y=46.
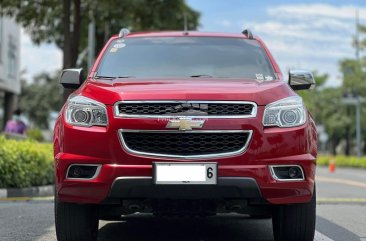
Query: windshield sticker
x=268, y=77
x=120, y=45
x=113, y=50
x=259, y=76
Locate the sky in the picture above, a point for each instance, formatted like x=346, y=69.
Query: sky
x=312, y=35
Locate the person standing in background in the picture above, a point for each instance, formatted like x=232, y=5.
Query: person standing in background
x=16, y=125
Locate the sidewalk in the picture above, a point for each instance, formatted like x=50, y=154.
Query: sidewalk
x=43, y=191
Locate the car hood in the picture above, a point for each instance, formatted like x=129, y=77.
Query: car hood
x=111, y=91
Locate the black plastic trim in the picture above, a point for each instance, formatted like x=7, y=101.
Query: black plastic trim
x=226, y=187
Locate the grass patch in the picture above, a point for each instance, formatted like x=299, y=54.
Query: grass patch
x=342, y=161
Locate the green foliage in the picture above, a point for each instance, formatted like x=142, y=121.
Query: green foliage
x=354, y=75
x=44, y=19
x=312, y=98
x=325, y=105
x=35, y=134
x=342, y=161
x=25, y=163
x=40, y=97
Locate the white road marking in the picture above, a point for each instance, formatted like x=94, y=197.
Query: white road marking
x=321, y=237
x=341, y=181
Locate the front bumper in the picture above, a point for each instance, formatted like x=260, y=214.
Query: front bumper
x=268, y=146
x=234, y=181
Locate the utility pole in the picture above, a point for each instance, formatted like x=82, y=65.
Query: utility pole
x=354, y=99
x=91, y=37
x=358, y=126
x=91, y=44
x=358, y=104
x=357, y=34
x=185, y=22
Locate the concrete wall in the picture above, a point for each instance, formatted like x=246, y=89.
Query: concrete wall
x=9, y=55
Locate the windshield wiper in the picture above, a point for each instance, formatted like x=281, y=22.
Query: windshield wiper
x=104, y=77
x=112, y=77
x=201, y=75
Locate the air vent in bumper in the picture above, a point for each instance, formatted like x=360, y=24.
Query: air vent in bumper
x=187, y=144
x=209, y=109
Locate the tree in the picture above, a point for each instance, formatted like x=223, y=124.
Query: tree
x=325, y=105
x=311, y=97
x=40, y=97
x=66, y=23
x=354, y=81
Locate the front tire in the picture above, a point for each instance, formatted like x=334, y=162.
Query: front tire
x=76, y=222
x=295, y=222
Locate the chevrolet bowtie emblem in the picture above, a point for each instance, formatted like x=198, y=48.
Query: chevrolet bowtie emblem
x=185, y=124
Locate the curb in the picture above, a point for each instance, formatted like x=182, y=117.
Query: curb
x=41, y=191
x=341, y=201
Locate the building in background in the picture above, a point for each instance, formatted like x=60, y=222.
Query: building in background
x=9, y=66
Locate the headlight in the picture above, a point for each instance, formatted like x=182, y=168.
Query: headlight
x=82, y=111
x=287, y=112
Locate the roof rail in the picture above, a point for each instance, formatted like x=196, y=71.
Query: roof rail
x=248, y=33
x=123, y=32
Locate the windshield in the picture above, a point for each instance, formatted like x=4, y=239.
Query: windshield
x=156, y=57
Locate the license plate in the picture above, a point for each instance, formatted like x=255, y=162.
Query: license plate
x=185, y=173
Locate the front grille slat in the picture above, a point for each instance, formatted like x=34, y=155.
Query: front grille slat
x=185, y=144
x=220, y=109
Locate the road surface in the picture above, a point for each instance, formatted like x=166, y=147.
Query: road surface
x=341, y=216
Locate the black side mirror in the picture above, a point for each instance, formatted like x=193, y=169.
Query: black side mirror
x=71, y=78
x=301, y=80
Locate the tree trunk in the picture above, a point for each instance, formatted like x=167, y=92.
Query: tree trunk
x=71, y=38
x=335, y=142
x=66, y=25
x=75, y=40
x=347, y=149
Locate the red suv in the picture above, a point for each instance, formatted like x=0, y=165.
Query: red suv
x=186, y=123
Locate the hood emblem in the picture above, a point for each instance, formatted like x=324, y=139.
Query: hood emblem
x=185, y=124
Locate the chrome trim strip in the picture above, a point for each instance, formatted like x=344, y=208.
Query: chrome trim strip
x=220, y=155
x=286, y=180
x=99, y=166
x=118, y=115
x=132, y=177
x=129, y=178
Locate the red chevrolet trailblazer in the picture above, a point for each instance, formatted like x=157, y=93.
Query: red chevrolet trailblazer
x=185, y=123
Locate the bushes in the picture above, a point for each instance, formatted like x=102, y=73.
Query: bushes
x=343, y=161
x=35, y=134
x=25, y=163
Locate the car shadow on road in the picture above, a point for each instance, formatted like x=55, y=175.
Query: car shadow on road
x=217, y=228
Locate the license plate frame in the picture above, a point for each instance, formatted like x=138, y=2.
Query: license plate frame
x=185, y=173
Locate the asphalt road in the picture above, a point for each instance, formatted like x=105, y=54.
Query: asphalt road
x=341, y=216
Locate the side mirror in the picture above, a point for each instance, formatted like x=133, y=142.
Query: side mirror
x=71, y=78
x=301, y=80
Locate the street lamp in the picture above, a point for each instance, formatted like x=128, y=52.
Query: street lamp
x=352, y=98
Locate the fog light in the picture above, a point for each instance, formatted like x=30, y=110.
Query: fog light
x=294, y=172
x=287, y=173
x=82, y=171
x=75, y=172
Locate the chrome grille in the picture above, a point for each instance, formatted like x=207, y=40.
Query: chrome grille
x=220, y=109
x=188, y=144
